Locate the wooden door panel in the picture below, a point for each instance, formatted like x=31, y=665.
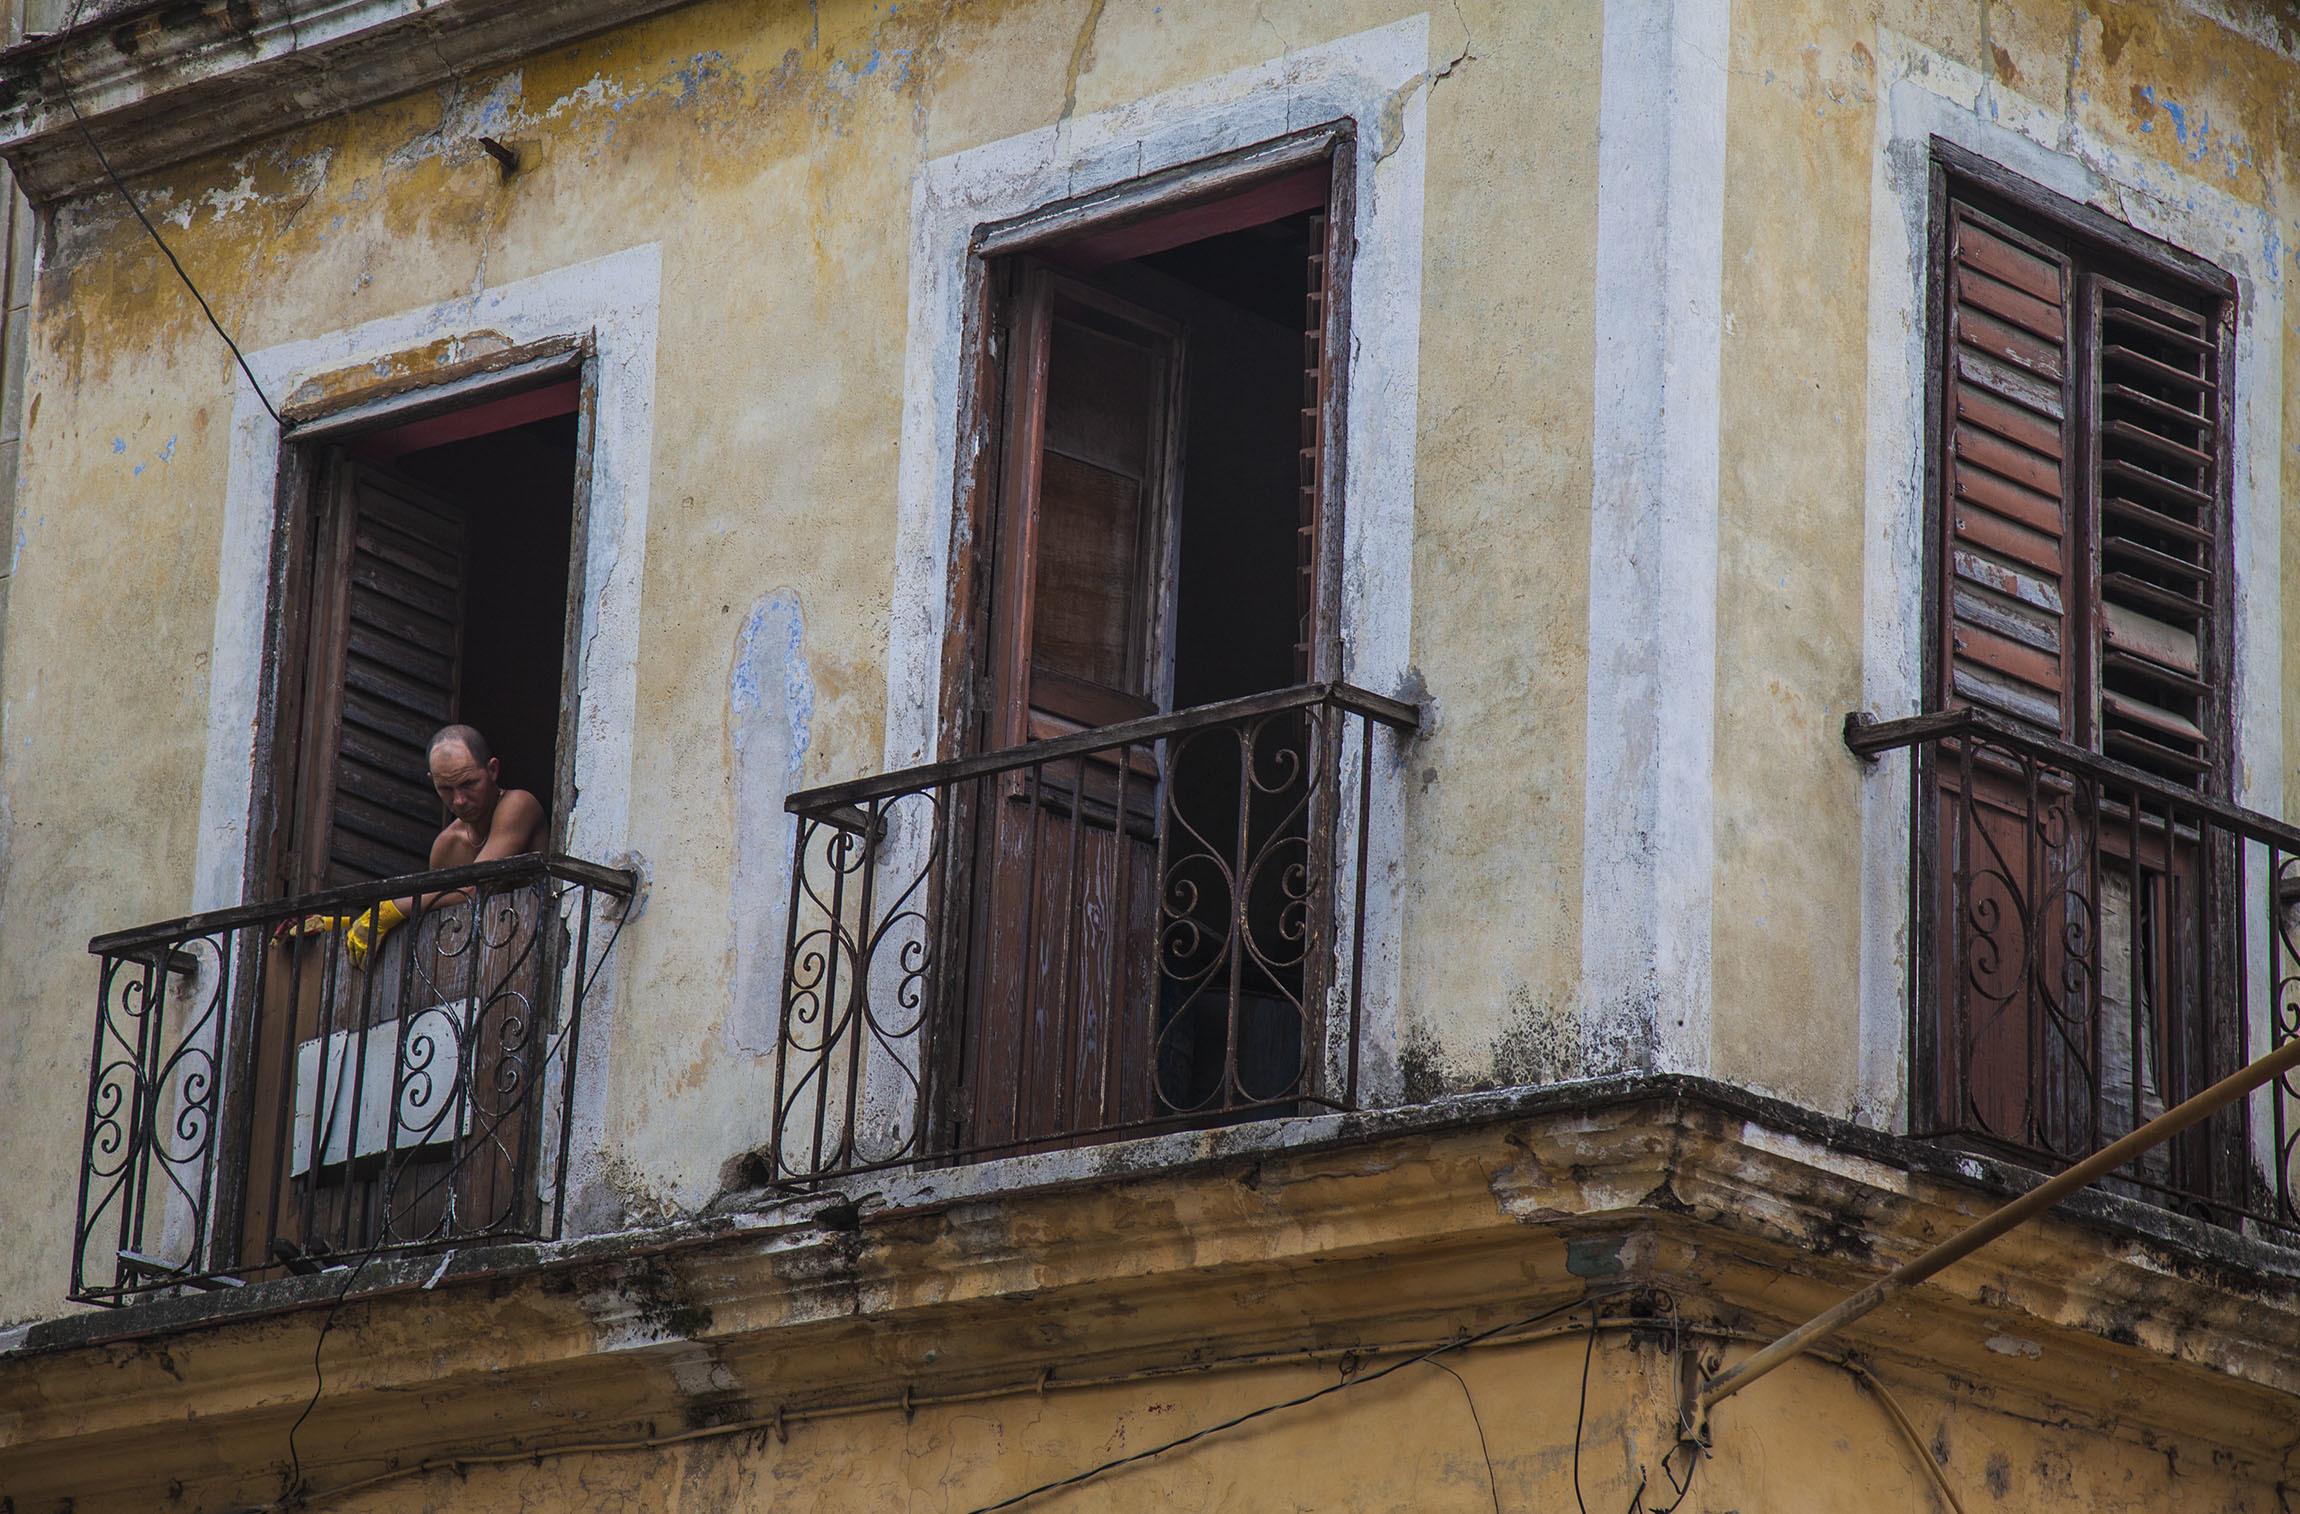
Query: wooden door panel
x=1058, y=1014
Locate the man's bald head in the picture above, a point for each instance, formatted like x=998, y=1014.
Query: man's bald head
x=464, y=774
x=466, y=737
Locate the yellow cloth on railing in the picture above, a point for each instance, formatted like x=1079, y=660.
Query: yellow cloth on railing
x=361, y=934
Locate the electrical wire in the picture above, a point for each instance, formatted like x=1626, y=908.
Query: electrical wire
x=1581, y=1409
x=319, y=1378
x=64, y=88
x=778, y=1423
x=1900, y=1419
x=1112, y=1465
x=1492, y=1483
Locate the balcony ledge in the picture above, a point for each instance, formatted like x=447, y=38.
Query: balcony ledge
x=1333, y=1231
x=160, y=82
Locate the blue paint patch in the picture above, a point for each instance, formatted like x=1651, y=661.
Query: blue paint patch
x=774, y=636
x=703, y=69
x=168, y=453
x=119, y=444
x=137, y=471
x=2195, y=135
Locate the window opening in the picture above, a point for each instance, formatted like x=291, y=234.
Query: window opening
x=2080, y=925
x=389, y=1090
x=1158, y=536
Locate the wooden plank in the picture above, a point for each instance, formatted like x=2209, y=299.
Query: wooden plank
x=2043, y=594
x=2040, y=318
x=2002, y=456
x=2006, y=538
x=2001, y=654
x=2006, y=618
x=365, y=676
x=1977, y=247
x=2007, y=382
x=2000, y=339
x=2144, y=635
x=2036, y=433
x=406, y=588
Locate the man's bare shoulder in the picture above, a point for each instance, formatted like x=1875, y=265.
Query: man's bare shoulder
x=519, y=817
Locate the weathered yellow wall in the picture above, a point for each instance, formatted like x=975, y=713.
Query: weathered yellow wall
x=771, y=151
x=771, y=154
x=1811, y=1440
x=2160, y=82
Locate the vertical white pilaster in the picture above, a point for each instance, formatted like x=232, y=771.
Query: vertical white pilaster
x=1648, y=849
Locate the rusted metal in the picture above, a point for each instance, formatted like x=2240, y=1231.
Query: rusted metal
x=2097, y=943
x=1091, y=1003
x=258, y=1101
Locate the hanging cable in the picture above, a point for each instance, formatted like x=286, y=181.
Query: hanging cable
x=64, y=88
x=1296, y=1402
x=1492, y=1483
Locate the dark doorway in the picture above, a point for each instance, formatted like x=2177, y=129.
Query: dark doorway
x=391, y=1091
x=1157, y=538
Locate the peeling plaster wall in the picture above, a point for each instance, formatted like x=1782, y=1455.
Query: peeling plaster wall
x=1489, y=1426
x=2159, y=114
x=773, y=155
x=771, y=159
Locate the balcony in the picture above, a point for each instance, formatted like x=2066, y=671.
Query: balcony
x=1149, y=926
x=2094, y=945
x=258, y=1104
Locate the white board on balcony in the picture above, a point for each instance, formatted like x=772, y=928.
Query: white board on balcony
x=361, y=1068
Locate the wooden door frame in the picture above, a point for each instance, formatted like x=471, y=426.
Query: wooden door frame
x=308, y=436
x=310, y=432
x=965, y=719
x=2102, y=245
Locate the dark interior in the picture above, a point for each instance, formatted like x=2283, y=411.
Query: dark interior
x=513, y=479
x=518, y=487
x=1242, y=295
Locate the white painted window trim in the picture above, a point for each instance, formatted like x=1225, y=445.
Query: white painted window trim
x=1924, y=94
x=614, y=302
x=1377, y=80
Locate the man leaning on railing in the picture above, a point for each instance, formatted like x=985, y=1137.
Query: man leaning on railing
x=490, y=822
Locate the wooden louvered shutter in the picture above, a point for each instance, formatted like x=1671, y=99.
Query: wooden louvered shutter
x=2155, y=460
x=385, y=673
x=2010, y=550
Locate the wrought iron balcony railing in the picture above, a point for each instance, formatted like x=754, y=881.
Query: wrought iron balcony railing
x=1153, y=925
x=2093, y=945
x=257, y=1103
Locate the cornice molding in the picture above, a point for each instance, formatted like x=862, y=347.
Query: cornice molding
x=162, y=82
x=1375, y=1229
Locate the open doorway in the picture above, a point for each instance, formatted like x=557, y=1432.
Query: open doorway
x=437, y=591
x=391, y=1094
x=1159, y=544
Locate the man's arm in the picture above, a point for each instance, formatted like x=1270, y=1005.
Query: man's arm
x=515, y=828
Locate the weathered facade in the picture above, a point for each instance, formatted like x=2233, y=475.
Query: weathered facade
x=842, y=452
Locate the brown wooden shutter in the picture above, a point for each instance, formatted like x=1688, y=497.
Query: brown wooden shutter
x=2155, y=454
x=2010, y=557
x=386, y=673
x=1087, y=520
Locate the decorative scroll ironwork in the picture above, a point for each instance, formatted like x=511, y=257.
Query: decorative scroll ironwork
x=1154, y=925
x=2093, y=942
x=258, y=1103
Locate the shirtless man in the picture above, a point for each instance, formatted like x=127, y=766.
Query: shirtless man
x=490, y=822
